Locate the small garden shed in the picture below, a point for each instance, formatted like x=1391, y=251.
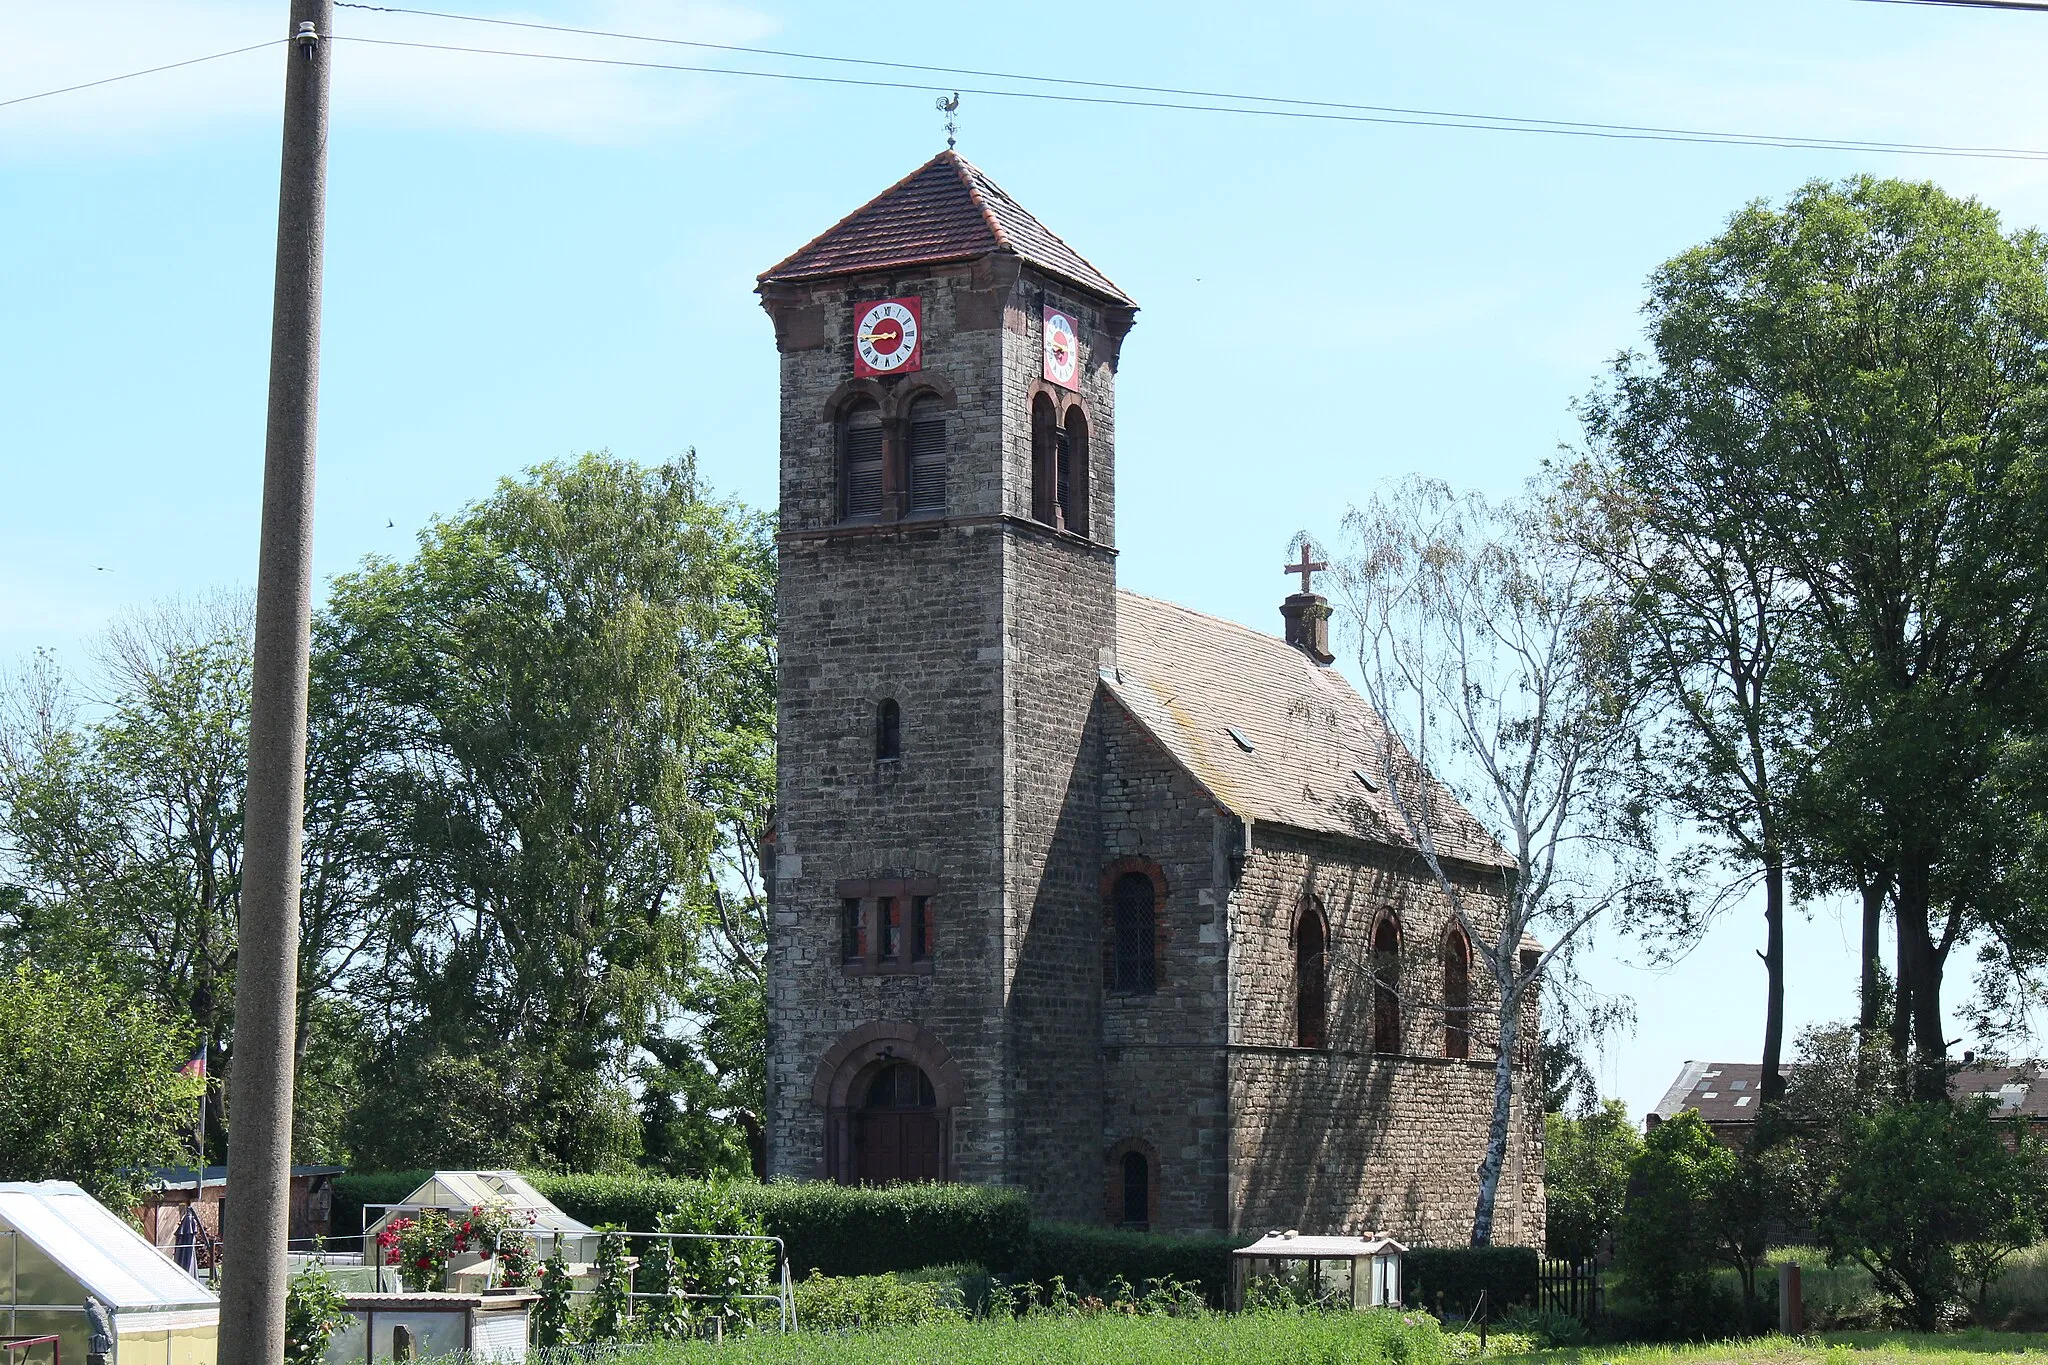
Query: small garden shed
x=1338, y=1272
x=457, y=1192
x=59, y=1246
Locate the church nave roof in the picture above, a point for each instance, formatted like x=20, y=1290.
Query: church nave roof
x=1304, y=740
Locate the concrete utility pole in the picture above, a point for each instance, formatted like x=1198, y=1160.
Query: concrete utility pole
x=266, y=988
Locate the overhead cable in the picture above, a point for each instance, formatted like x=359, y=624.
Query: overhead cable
x=1322, y=113
x=147, y=71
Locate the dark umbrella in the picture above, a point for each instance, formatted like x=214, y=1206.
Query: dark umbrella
x=185, y=1243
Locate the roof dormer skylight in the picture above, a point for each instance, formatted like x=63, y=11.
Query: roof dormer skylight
x=1238, y=735
x=1365, y=781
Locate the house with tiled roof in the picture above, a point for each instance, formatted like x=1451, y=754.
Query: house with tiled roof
x=1077, y=890
x=1726, y=1094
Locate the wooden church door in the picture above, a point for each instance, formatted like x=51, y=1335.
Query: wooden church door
x=896, y=1132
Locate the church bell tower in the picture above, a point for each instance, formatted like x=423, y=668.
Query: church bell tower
x=947, y=603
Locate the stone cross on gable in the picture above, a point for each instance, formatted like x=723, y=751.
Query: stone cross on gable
x=1308, y=567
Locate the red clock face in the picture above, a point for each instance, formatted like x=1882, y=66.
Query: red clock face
x=1062, y=349
x=888, y=337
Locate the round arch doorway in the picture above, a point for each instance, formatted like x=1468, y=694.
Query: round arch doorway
x=896, y=1130
x=882, y=1123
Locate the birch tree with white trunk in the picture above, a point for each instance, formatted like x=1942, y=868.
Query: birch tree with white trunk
x=1487, y=647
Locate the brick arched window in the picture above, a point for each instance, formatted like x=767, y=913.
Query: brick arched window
x=860, y=461
x=924, y=431
x=1131, y=1184
x=1134, y=928
x=1311, y=977
x=1457, y=994
x=1386, y=985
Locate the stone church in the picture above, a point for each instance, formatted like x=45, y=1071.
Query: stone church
x=1077, y=890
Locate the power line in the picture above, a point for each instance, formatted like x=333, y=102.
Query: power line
x=2035, y=5
x=1623, y=133
x=147, y=71
x=1393, y=113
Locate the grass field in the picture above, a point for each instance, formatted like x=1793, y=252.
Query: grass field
x=1289, y=1339
x=1846, y=1348
x=1213, y=1339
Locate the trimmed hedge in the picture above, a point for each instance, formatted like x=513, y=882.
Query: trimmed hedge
x=1088, y=1258
x=831, y=1228
x=1449, y=1280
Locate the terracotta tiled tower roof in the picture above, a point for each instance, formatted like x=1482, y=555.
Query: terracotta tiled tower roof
x=945, y=210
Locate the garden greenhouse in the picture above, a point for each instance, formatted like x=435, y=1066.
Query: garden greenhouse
x=59, y=1246
x=457, y=1192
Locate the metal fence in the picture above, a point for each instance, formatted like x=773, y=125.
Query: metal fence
x=1572, y=1288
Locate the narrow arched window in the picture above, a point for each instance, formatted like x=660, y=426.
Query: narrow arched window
x=888, y=730
x=1134, y=926
x=1072, y=465
x=1045, y=443
x=925, y=441
x=1137, y=1176
x=860, y=462
x=1457, y=994
x=1386, y=986
x=1311, y=978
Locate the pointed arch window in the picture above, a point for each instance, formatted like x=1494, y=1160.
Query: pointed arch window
x=1457, y=994
x=860, y=462
x=925, y=442
x=1386, y=986
x=1311, y=978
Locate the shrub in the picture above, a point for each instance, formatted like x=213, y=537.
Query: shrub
x=1451, y=1280
x=314, y=1311
x=1088, y=1258
x=834, y=1228
x=1931, y=1201
x=870, y=1302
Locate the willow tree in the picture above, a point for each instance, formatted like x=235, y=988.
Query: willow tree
x=1488, y=646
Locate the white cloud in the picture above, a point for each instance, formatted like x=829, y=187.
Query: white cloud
x=45, y=46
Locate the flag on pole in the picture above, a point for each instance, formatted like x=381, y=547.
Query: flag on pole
x=196, y=1068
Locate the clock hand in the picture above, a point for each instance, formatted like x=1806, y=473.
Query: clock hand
x=881, y=336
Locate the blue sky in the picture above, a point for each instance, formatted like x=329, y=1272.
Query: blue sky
x=531, y=259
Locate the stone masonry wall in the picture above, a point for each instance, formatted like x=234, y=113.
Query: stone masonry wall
x=914, y=612
x=1164, y=1055
x=1341, y=1138
x=988, y=631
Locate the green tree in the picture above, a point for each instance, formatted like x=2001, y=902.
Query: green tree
x=1931, y=1199
x=91, y=1087
x=1857, y=383
x=1693, y=1204
x=1586, y=1165
x=558, y=753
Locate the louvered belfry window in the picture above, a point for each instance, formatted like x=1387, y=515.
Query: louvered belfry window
x=860, y=463
x=1134, y=917
x=926, y=440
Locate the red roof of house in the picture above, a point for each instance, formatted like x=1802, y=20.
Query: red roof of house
x=945, y=210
